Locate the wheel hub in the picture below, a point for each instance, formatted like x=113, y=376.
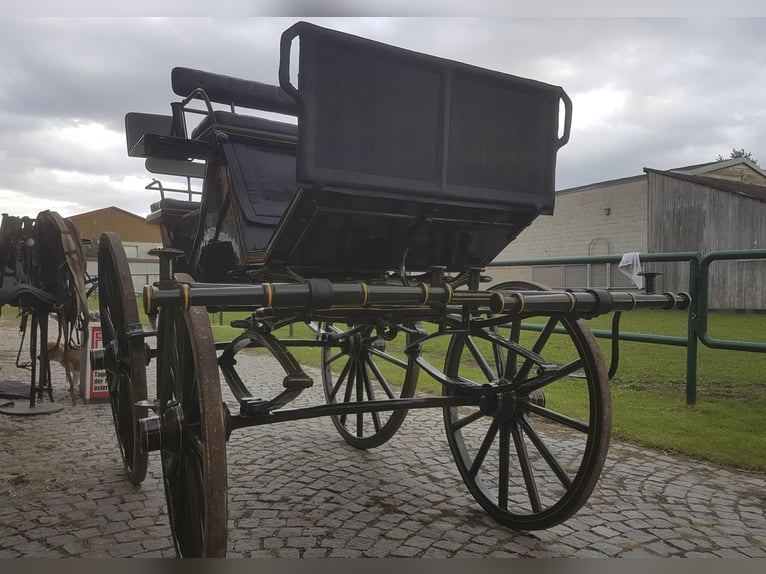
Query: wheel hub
x=353, y=345
x=171, y=428
x=106, y=358
x=505, y=405
x=499, y=405
x=163, y=431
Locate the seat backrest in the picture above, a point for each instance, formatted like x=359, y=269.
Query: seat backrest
x=232, y=91
x=377, y=117
x=407, y=160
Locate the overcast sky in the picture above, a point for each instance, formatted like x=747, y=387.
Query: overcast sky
x=653, y=92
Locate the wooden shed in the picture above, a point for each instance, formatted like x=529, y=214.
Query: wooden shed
x=137, y=236
x=702, y=208
x=703, y=213
x=130, y=227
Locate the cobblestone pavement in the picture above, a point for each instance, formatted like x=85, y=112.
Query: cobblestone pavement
x=297, y=490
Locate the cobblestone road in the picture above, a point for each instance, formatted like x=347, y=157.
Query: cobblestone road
x=297, y=490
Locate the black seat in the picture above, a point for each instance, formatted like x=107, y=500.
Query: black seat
x=168, y=212
x=247, y=190
x=260, y=155
x=402, y=160
x=245, y=125
x=408, y=161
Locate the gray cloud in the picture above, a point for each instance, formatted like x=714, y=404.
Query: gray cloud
x=655, y=92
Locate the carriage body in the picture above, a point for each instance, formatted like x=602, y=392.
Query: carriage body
x=397, y=159
x=369, y=217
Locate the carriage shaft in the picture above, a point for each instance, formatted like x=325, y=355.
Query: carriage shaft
x=313, y=295
x=588, y=302
x=321, y=294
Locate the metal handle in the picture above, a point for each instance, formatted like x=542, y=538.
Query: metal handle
x=285, y=45
x=567, y=119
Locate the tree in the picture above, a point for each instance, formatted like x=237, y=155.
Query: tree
x=737, y=153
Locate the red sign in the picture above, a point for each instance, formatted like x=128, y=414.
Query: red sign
x=97, y=385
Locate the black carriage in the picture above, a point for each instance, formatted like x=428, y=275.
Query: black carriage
x=371, y=220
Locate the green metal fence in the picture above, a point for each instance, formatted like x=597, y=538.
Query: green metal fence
x=699, y=266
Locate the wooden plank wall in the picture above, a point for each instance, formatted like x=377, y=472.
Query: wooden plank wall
x=130, y=227
x=741, y=172
x=684, y=216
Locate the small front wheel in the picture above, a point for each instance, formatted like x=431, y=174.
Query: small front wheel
x=366, y=366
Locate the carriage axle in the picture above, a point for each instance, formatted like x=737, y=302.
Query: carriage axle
x=158, y=432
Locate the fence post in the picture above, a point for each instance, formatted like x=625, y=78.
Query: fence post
x=692, y=331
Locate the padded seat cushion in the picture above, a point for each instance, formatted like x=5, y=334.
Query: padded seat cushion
x=247, y=125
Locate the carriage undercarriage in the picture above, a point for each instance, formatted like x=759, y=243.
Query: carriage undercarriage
x=391, y=298
x=527, y=424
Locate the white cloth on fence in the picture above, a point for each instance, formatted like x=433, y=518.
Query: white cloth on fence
x=630, y=265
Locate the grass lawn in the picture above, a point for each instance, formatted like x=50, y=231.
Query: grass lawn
x=727, y=425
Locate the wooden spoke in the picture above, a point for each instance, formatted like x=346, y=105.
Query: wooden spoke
x=565, y=419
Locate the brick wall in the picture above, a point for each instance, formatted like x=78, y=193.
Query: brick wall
x=609, y=219
x=601, y=220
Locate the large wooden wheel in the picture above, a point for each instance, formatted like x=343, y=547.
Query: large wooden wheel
x=193, y=451
x=532, y=454
x=368, y=365
x=126, y=367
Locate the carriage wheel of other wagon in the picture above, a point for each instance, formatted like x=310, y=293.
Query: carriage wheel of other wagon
x=367, y=367
x=126, y=375
x=532, y=455
x=193, y=452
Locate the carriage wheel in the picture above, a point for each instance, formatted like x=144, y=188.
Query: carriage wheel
x=126, y=374
x=367, y=367
x=530, y=456
x=193, y=452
